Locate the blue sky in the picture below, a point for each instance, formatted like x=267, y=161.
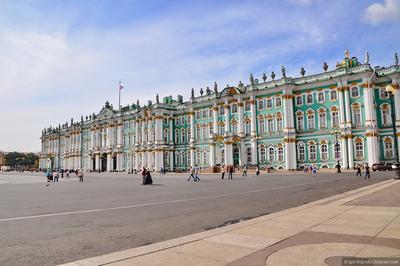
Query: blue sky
x=62, y=59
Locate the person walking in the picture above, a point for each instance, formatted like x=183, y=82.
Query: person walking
x=244, y=173
x=367, y=173
x=196, y=175
x=257, y=171
x=80, y=175
x=143, y=175
x=55, y=176
x=48, y=175
x=231, y=168
x=192, y=174
x=222, y=171
x=358, y=167
x=67, y=173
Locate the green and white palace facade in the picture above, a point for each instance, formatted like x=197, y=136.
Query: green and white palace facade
x=342, y=115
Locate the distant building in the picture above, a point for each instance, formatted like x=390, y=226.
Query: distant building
x=284, y=123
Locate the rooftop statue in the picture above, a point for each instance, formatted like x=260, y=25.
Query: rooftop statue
x=201, y=91
x=251, y=79
x=396, y=59
x=302, y=71
x=157, y=99
x=346, y=54
x=264, y=77
x=137, y=103
x=240, y=85
x=215, y=87
x=208, y=91
x=325, y=67
x=283, y=71
x=273, y=75
x=192, y=94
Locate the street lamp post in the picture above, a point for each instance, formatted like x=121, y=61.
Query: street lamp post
x=336, y=133
x=390, y=90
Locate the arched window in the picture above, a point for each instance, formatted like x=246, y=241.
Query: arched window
x=270, y=121
x=324, y=152
x=261, y=104
x=309, y=98
x=234, y=127
x=204, y=135
x=198, y=157
x=221, y=128
x=247, y=106
x=183, y=158
x=166, y=135
x=183, y=135
x=335, y=117
x=198, y=132
x=269, y=103
x=388, y=147
x=356, y=115
x=359, y=149
x=261, y=125
x=313, y=152
x=280, y=154
x=301, y=152
x=300, y=121
x=247, y=127
x=311, y=120
x=210, y=130
x=299, y=100
x=262, y=154
x=385, y=111
x=221, y=110
x=333, y=95
x=321, y=97
x=279, y=122
x=337, y=151
x=176, y=136
x=205, y=158
x=355, y=92
x=234, y=109
x=248, y=153
x=322, y=119
x=178, y=158
x=271, y=154
x=278, y=102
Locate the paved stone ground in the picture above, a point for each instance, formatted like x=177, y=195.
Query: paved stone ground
x=68, y=221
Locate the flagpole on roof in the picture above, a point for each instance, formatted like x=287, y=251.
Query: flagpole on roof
x=119, y=94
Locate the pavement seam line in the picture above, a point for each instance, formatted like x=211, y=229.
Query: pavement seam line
x=160, y=203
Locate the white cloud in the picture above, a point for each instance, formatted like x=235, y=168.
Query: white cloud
x=389, y=10
x=301, y=2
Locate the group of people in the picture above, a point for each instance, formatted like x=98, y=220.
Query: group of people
x=310, y=169
x=53, y=176
x=367, y=172
x=229, y=169
x=194, y=173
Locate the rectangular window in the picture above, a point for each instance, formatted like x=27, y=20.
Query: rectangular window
x=300, y=122
x=309, y=98
x=311, y=122
x=333, y=95
x=335, y=119
x=261, y=105
x=321, y=97
x=299, y=100
x=269, y=103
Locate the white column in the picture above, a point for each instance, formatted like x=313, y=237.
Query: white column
x=150, y=130
x=109, y=162
x=253, y=117
x=347, y=105
x=370, y=123
x=396, y=96
x=289, y=131
x=212, y=154
x=192, y=158
x=350, y=152
x=227, y=117
x=171, y=161
x=343, y=152
x=240, y=118
x=171, y=130
x=159, y=129
x=97, y=163
x=254, y=154
x=215, y=119
x=144, y=139
x=159, y=160
x=119, y=134
x=92, y=139
x=342, y=108
x=228, y=152
x=192, y=126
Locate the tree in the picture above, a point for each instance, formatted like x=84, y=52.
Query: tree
x=21, y=159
